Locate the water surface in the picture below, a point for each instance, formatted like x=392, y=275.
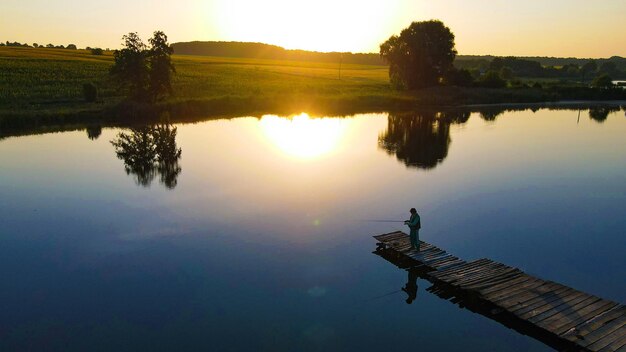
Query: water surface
x=251, y=233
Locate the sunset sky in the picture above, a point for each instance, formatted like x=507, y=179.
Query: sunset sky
x=523, y=28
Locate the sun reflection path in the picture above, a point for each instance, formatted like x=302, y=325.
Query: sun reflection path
x=303, y=137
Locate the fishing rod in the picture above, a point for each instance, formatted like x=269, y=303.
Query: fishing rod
x=385, y=295
x=367, y=220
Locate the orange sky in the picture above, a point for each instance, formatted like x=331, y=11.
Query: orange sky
x=523, y=28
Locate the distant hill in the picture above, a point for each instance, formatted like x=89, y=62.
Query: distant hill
x=273, y=52
x=468, y=61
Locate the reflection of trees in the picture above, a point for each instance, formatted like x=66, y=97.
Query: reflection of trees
x=600, y=114
x=93, y=131
x=490, y=114
x=148, y=151
x=420, y=139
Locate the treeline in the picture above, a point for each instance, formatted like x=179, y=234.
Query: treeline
x=272, y=52
x=95, y=51
x=560, y=68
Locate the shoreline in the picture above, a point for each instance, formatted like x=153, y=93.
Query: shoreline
x=195, y=111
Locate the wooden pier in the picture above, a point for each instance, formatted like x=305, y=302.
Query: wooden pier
x=570, y=318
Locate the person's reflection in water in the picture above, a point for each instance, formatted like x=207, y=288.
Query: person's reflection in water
x=148, y=151
x=411, y=286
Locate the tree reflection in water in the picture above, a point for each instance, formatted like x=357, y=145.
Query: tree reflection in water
x=599, y=114
x=420, y=139
x=148, y=151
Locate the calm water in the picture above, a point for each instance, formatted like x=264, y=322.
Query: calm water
x=254, y=236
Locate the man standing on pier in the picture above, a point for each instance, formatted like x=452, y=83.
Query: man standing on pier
x=415, y=225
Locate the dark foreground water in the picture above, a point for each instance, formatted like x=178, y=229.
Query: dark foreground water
x=255, y=236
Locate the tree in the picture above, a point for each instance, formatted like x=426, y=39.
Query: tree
x=609, y=68
x=130, y=68
x=602, y=81
x=459, y=77
x=71, y=46
x=146, y=73
x=491, y=79
x=420, y=56
x=160, y=65
x=588, y=69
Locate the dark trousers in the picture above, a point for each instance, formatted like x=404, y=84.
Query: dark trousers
x=415, y=238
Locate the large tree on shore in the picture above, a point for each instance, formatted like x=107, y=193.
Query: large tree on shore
x=144, y=71
x=420, y=56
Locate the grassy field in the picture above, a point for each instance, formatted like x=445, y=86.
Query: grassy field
x=43, y=87
x=33, y=79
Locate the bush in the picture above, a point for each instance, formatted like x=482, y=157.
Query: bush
x=90, y=92
x=459, y=77
x=602, y=81
x=491, y=79
x=96, y=51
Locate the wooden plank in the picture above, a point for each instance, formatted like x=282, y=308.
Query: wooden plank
x=591, y=325
x=582, y=314
x=494, y=281
x=607, y=338
x=617, y=344
x=565, y=320
x=544, y=302
x=484, y=278
x=534, y=299
x=474, y=267
x=440, y=263
x=552, y=306
x=485, y=274
x=466, y=265
x=441, y=260
x=494, y=290
x=522, y=287
x=452, y=265
x=529, y=296
x=580, y=301
x=605, y=330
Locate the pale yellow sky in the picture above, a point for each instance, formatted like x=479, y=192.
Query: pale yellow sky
x=524, y=28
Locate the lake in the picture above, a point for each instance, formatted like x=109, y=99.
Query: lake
x=255, y=233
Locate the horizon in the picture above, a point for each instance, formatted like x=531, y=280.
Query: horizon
x=529, y=29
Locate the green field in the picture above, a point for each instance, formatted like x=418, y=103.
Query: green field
x=34, y=79
x=42, y=87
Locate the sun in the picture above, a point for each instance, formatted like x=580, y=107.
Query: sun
x=322, y=25
x=303, y=137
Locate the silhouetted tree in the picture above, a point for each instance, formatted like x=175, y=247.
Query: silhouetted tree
x=131, y=68
x=588, y=69
x=491, y=79
x=145, y=72
x=71, y=47
x=95, y=51
x=602, y=81
x=160, y=66
x=93, y=132
x=420, y=56
x=608, y=68
x=148, y=151
x=459, y=77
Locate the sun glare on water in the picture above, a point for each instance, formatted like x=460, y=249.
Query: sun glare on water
x=303, y=137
